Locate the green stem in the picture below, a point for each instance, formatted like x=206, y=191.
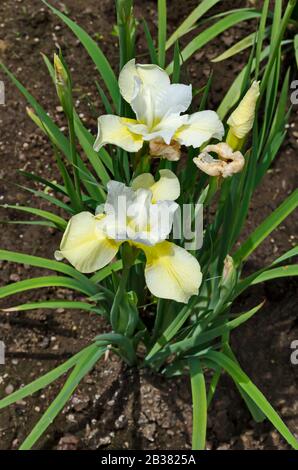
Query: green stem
x=119, y=295
x=199, y=401
x=74, y=156
x=158, y=320
x=129, y=255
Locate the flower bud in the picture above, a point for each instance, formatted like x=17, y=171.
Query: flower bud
x=242, y=118
x=228, y=274
x=63, y=85
x=124, y=9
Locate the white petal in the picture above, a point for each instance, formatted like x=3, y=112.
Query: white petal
x=159, y=110
x=143, y=106
x=116, y=192
x=127, y=80
x=153, y=76
x=84, y=244
x=171, y=272
x=167, y=188
x=149, y=75
x=138, y=213
x=174, y=99
x=167, y=128
x=161, y=219
x=114, y=130
x=157, y=226
x=200, y=127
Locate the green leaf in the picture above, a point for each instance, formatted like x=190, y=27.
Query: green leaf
x=94, y=51
x=234, y=92
x=189, y=22
x=261, y=35
x=240, y=46
x=246, y=282
x=212, y=32
x=58, y=221
x=254, y=410
x=296, y=48
x=162, y=31
x=52, y=304
x=50, y=184
x=50, y=128
x=254, y=393
x=150, y=43
x=40, y=282
x=180, y=347
x=177, y=66
x=42, y=223
x=172, y=329
x=47, y=197
x=199, y=403
x=275, y=273
x=45, y=263
x=82, y=367
x=276, y=45
x=45, y=380
x=86, y=140
x=73, y=195
x=105, y=100
x=266, y=227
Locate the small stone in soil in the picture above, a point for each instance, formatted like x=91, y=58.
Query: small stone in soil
x=9, y=389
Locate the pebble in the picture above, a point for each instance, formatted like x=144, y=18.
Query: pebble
x=121, y=422
x=104, y=441
x=45, y=342
x=9, y=389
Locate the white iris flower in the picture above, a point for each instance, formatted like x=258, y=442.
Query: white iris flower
x=143, y=216
x=158, y=105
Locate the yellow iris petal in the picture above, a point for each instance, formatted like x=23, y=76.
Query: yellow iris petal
x=171, y=272
x=167, y=188
x=84, y=244
x=114, y=130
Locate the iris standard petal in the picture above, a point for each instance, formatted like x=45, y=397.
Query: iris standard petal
x=174, y=99
x=85, y=245
x=148, y=75
x=145, y=180
x=200, y=127
x=114, y=130
x=158, y=111
x=171, y=272
x=167, y=188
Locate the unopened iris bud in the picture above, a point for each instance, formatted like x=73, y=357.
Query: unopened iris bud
x=61, y=75
x=229, y=275
x=242, y=119
x=124, y=8
x=63, y=85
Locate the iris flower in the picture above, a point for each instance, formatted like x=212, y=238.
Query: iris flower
x=158, y=105
x=90, y=241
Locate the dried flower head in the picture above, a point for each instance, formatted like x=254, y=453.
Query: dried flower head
x=227, y=164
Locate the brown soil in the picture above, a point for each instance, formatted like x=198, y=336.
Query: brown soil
x=116, y=407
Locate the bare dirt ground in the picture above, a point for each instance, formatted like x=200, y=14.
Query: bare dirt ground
x=116, y=407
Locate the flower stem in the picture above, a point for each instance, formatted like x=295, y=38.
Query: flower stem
x=128, y=258
x=74, y=156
